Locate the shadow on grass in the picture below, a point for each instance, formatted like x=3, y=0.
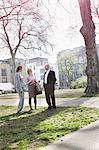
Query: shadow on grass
x=86, y=95
x=90, y=95
x=34, y=129
x=15, y=128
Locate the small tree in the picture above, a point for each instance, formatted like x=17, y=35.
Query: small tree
x=22, y=27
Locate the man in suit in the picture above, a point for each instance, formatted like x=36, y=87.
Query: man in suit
x=49, y=86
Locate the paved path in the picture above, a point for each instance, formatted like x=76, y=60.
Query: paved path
x=87, y=101
x=83, y=139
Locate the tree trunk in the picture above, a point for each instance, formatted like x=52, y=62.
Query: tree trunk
x=69, y=78
x=13, y=69
x=88, y=33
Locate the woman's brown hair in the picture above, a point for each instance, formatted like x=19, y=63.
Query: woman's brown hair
x=18, y=68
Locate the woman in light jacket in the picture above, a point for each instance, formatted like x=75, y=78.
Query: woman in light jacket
x=19, y=88
x=31, y=88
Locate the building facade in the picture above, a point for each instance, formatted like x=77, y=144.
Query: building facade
x=71, y=65
x=4, y=71
x=37, y=65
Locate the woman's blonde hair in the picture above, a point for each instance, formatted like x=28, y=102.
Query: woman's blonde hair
x=29, y=70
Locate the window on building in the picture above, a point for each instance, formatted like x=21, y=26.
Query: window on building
x=4, y=74
x=34, y=67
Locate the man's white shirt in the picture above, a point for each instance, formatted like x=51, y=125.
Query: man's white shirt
x=46, y=75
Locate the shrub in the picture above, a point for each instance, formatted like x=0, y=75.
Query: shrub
x=79, y=83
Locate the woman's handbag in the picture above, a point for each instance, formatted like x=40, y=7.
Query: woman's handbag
x=38, y=89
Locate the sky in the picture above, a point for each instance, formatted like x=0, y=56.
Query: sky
x=67, y=22
x=67, y=25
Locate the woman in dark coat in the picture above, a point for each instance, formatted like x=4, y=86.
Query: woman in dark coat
x=31, y=88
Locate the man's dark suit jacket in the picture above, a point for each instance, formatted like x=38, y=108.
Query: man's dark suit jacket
x=51, y=79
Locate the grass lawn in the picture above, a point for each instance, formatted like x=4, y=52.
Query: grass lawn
x=70, y=93
x=59, y=93
x=32, y=130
